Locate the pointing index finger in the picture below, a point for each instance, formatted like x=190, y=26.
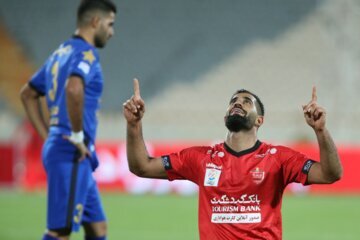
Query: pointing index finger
x=136, y=88
x=314, y=95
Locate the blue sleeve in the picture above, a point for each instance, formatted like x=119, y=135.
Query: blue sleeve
x=38, y=81
x=82, y=64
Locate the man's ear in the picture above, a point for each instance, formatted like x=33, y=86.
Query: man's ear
x=259, y=121
x=95, y=21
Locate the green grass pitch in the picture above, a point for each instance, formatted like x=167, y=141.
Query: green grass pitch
x=149, y=217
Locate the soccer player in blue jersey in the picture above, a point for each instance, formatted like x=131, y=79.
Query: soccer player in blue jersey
x=72, y=82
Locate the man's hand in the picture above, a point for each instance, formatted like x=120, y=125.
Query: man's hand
x=80, y=145
x=314, y=114
x=134, y=108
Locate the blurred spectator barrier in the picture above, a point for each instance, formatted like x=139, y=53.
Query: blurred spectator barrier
x=21, y=166
x=6, y=164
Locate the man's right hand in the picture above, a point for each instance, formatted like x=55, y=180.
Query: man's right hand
x=83, y=150
x=134, y=108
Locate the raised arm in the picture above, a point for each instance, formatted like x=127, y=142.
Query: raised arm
x=140, y=163
x=329, y=169
x=31, y=102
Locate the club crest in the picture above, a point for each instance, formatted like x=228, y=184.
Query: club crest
x=257, y=175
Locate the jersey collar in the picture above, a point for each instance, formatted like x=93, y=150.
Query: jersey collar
x=78, y=37
x=83, y=39
x=243, y=152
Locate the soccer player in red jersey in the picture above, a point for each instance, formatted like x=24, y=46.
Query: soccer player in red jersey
x=241, y=181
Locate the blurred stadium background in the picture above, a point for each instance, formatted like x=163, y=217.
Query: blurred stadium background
x=190, y=56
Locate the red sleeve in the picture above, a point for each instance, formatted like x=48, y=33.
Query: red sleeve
x=185, y=164
x=295, y=166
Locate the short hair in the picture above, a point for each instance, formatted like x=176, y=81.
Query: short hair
x=88, y=6
x=259, y=105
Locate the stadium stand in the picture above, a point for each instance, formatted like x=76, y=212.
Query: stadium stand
x=190, y=56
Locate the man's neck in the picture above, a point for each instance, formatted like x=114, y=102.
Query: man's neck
x=240, y=141
x=86, y=35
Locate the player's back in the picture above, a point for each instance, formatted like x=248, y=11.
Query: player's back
x=56, y=74
x=75, y=57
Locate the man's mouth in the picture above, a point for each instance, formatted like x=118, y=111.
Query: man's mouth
x=238, y=111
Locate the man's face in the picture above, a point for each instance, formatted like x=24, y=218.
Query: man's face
x=105, y=29
x=241, y=113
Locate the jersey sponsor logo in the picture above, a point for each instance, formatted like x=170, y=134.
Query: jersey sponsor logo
x=166, y=162
x=236, y=218
x=307, y=166
x=257, y=175
x=272, y=151
x=212, y=177
x=243, y=199
x=229, y=209
x=85, y=67
x=211, y=165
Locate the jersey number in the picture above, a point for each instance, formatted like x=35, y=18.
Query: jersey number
x=54, y=73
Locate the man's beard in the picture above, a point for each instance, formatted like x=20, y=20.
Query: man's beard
x=99, y=42
x=236, y=123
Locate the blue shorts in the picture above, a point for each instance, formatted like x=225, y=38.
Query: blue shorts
x=73, y=196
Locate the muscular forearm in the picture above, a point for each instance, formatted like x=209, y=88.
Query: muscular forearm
x=31, y=102
x=136, y=150
x=75, y=102
x=329, y=158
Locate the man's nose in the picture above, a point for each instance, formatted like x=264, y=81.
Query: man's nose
x=238, y=104
x=111, y=33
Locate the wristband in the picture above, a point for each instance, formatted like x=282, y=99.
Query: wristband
x=77, y=137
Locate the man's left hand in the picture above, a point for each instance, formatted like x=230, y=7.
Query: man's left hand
x=314, y=114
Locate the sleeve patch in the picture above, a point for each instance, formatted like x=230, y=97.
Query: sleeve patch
x=307, y=166
x=166, y=162
x=85, y=67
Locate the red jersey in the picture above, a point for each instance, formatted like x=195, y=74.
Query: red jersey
x=240, y=193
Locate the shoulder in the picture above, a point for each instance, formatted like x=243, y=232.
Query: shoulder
x=273, y=148
x=282, y=154
x=83, y=49
x=198, y=150
x=86, y=53
x=85, y=57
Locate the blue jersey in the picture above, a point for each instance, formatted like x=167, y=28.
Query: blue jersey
x=73, y=57
x=66, y=176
